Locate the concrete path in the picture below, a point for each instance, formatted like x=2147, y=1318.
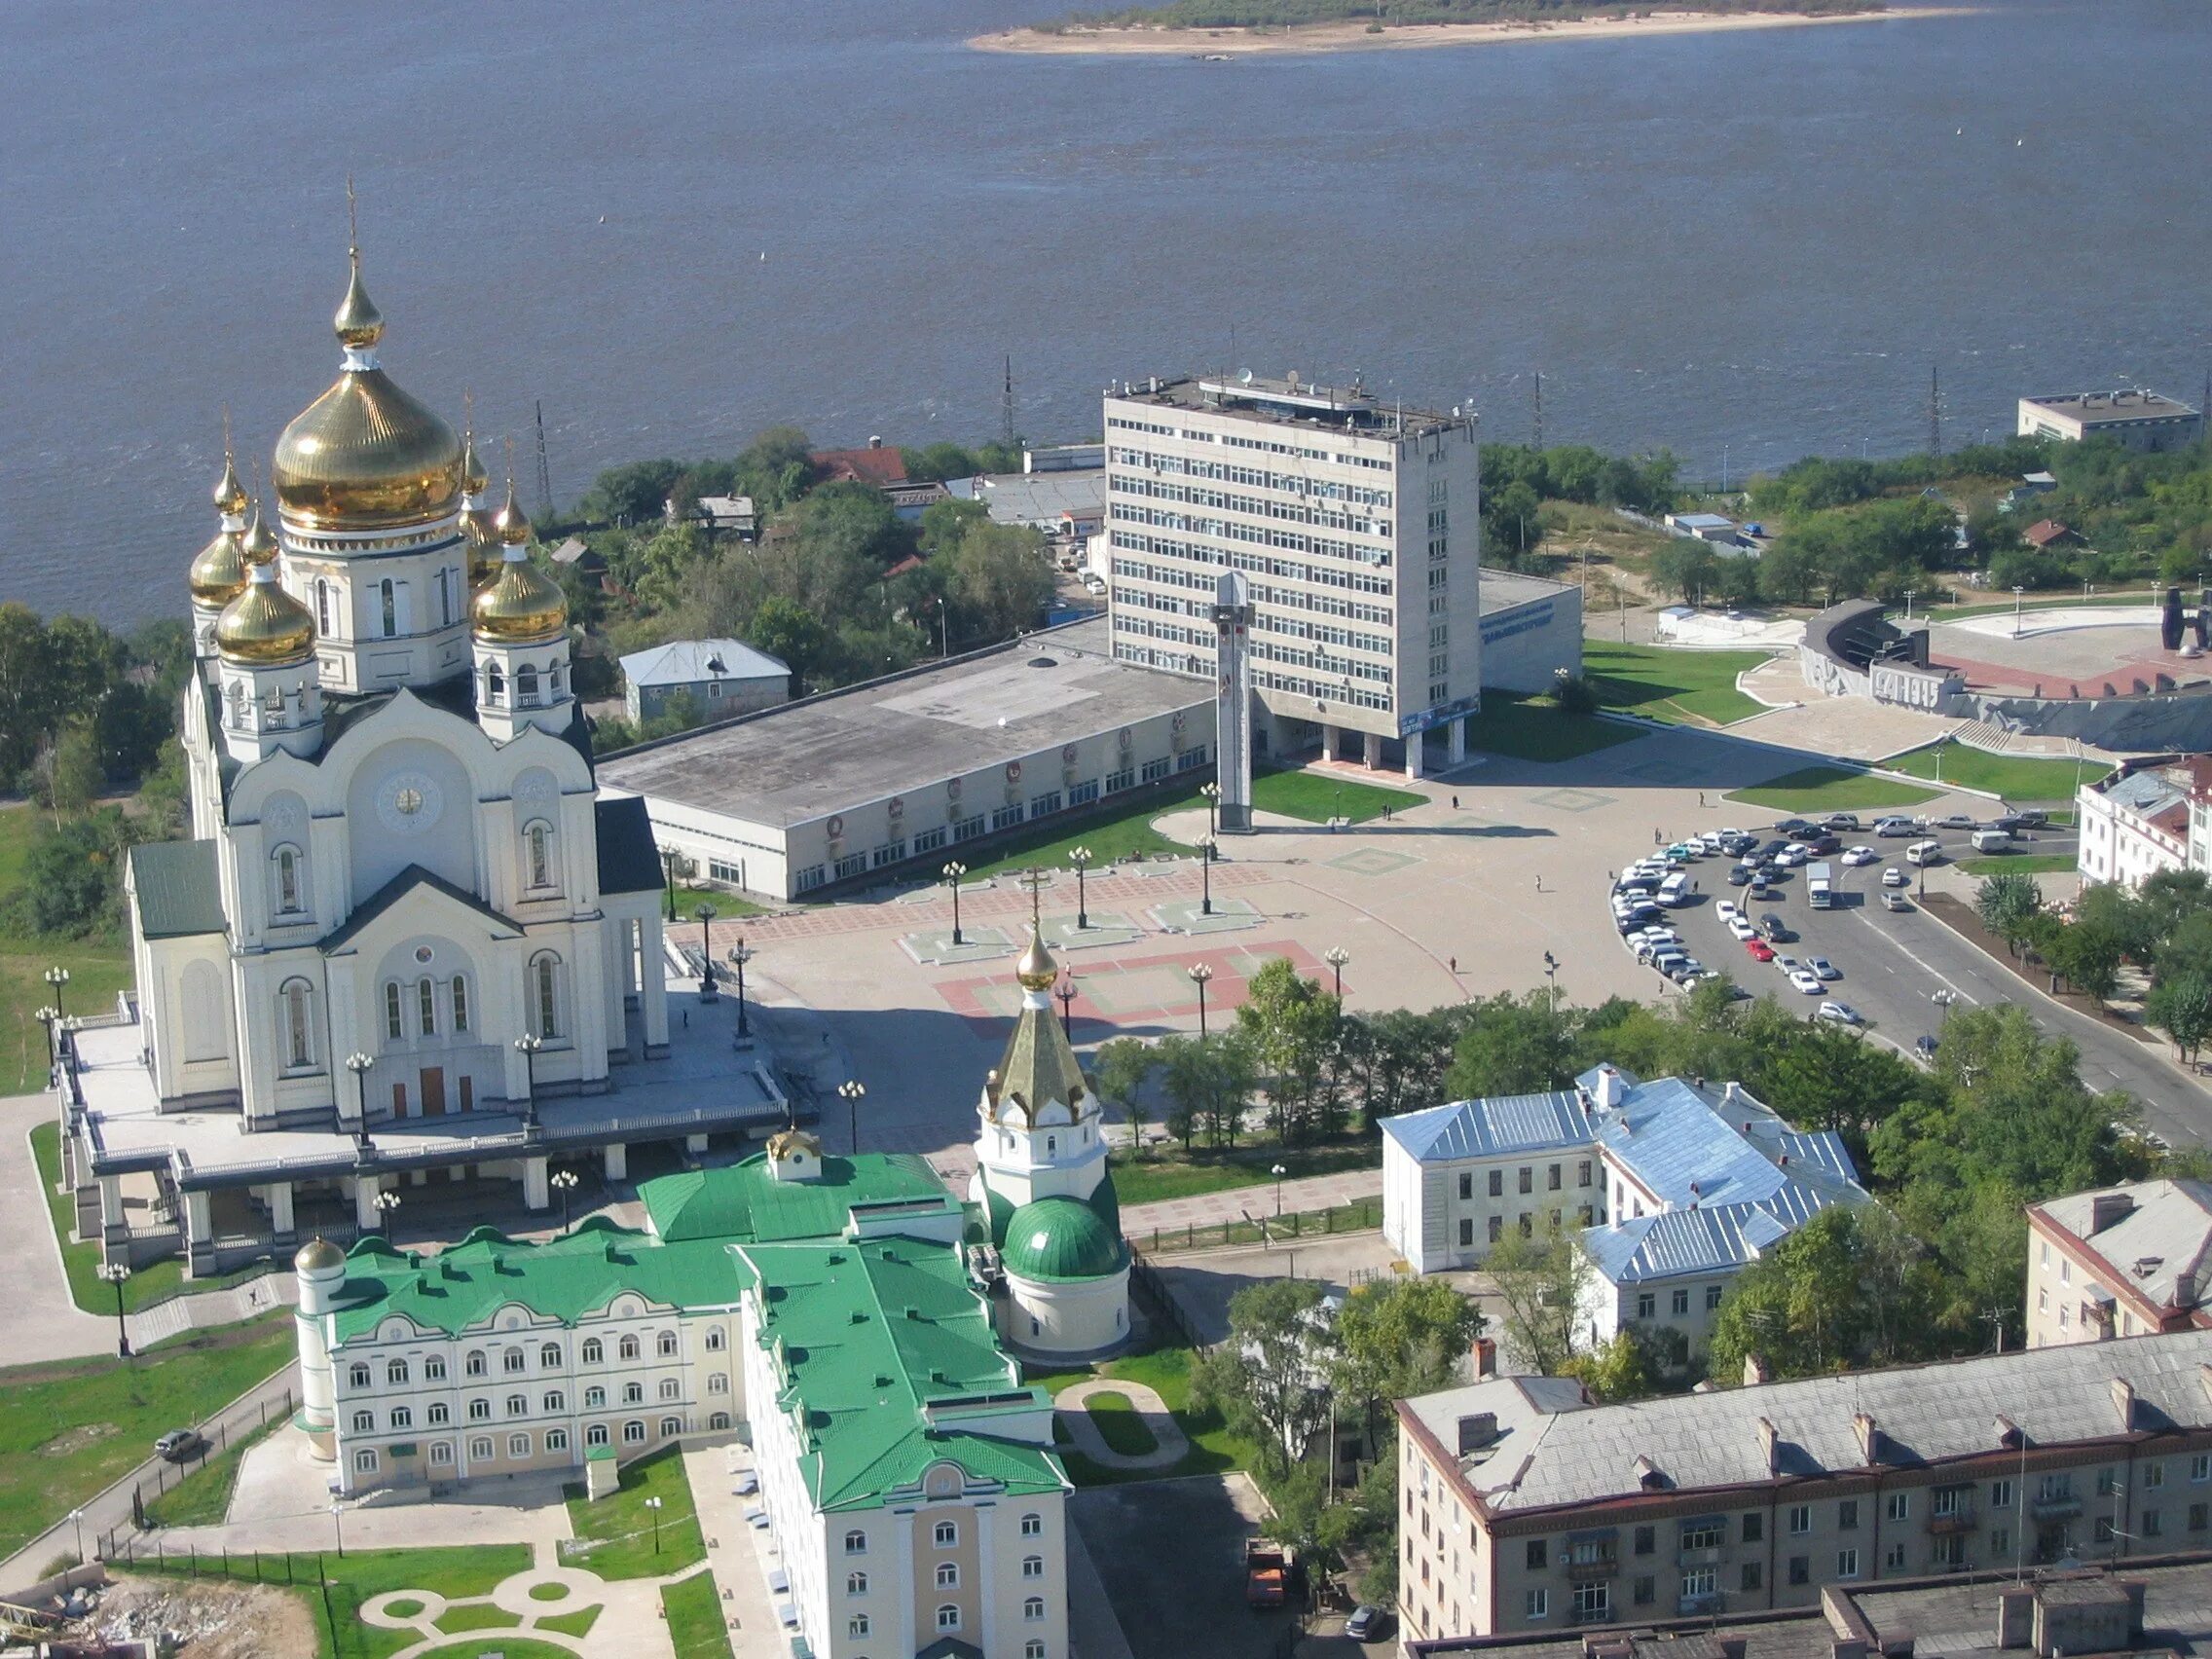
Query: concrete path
x=42, y=1318
x=204, y=1310
x=1170, y=1446
x=1256, y=1202
x=740, y=1557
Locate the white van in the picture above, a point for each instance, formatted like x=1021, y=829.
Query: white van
x=1675, y=890
x=1924, y=853
x=1992, y=840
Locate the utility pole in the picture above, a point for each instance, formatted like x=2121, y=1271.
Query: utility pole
x=1539, y=409
x=1006, y=406
x=1934, y=412
x=544, y=476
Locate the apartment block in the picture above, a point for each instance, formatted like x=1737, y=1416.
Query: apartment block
x=2119, y=1261
x=1359, y=524
x=1526, y=1507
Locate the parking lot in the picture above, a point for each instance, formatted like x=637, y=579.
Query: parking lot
x=1171, y=1554
x=1897, y=970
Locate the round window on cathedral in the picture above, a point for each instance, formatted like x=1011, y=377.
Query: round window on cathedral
x=423, y=953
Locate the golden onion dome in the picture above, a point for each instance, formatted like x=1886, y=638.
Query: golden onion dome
x=523, y=607
x=480, y=529
x=358, y=323
x=264, y=626
x=230, y=494
x=514, y=526
x=366, y=455
x=473, y=477
x=220, y=573
x=259, y=542
x=1036, y=970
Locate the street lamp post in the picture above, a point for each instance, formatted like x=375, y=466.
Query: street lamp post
x=654, y=1504
x=527, y=1045
x=1205, y=866
x=2016, y=593
x=564, y=1182
x=1551, y=976
x=46, y=1016
x=338, y=1527
x=1336, y=956
x=706, y=918
x=1066, y=993
x=387, y=1202
x=1279, y=1173
x=1080, y=856
x=1200, y=975
x=77, y=1520
x=740, y=954
x=358, y=1064
x=59, y=978
x=1212, y=795
x=115, y=1273
x=853, y=1091
x=668, y=863
x=952, y=873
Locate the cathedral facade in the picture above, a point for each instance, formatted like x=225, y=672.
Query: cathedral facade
x=407, y=941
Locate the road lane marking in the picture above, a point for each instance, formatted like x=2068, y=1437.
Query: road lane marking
x=1926, y=967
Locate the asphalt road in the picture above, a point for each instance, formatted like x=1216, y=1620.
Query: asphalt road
x=1895, y=961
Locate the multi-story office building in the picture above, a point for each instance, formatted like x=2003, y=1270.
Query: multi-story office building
x=1359, y=525
x=2119, y=1261
x=1524, y=1507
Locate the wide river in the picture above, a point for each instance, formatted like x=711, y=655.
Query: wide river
x=674, y=224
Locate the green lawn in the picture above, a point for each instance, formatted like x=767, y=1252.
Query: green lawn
x=578, y=1623
x=726, y=905
x=2045, y=601
x=1319, y=797
x=204, y=1496
x=1120, y=1425
x=1686, y=688
x=2015, y=778
x=97, y=969
x=68, y=1430
x=476, y=1615
x=694, y=1612
x=614, y=1536
x=81, y=1262
x=1525, y=730
x=1830, y=789
x=1118, y=833
x=1177, y=1175
x=2019, y=863
x=1167, y=1371
x=359, y=1576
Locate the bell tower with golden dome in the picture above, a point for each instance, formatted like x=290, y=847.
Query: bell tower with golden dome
x=519, y=621
x=369, y=494
x=271, y=693
x=219, y=574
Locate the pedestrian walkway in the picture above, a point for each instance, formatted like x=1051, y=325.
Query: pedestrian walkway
x=1170, y=1444
x=741, y=1555
x=42, y=1318
x=1256, y=1202
x=204, y=1310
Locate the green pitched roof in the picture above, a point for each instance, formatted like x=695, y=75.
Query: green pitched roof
x=461, y=1288
x=870, y=1335
x=1061, y=1240
x=745, y=1201
x=178, y=892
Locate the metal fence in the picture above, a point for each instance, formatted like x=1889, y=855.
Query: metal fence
x=1363, y=1216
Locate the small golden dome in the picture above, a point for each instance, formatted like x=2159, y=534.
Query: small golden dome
x=480, y=529
x=220, y=573
x=230, y=494
x=514, y=526
x=522, y=607
x=317, y=1254
x=1036, y=970
x=359, y=322
x=264, y=626
x=473, y=477
x=259, y=542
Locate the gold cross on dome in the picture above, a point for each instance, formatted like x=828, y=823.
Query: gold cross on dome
x=1035, y=880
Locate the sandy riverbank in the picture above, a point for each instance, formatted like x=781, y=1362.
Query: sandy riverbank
x=1353, y=35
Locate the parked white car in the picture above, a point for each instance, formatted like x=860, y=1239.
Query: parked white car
x=1896, y=877
x=1857, y=856
x=1804, y=981
x=1741, y=929
x=1839, y=1014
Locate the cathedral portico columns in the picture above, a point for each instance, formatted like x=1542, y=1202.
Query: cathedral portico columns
x=694, y=1143
x=281, y=1224
x=536, y=1195
x=653, y=988
x=617, y=1161
x=366, y=1216
x=199, y=1233
x=113, y=1231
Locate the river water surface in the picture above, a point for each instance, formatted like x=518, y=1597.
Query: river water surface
x=677, y=223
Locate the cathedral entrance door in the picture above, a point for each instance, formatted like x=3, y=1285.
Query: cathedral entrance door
x=468, y=1092
x=434, y=1091
x=400, y=1100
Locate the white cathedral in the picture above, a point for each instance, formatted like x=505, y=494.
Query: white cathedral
x=407, y=942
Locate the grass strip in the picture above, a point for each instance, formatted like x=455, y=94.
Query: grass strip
x=693, y=1608
x=620, y=1535
x=1830, y=789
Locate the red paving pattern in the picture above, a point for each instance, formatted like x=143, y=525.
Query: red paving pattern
x=1225, y=992
x=2121, y=676
x=1007, y=902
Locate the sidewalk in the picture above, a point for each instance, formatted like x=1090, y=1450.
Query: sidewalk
x=1255, y=1202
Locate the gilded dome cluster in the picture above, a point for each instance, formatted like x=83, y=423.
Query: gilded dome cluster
x=264, y=626
x=522, y=605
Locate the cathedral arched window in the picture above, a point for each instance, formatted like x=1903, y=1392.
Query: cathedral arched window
x=553, y=679
x=459, y=1002
x=526, y=686
x=538, y=849
x=445, y=601
x=297, y=1005
x=322, y=607
x=495, y=684
x=239, y=702
x=545, y=993
x=389, y=601
x=394, y=1025
x=288, y=881
x=427, y=1006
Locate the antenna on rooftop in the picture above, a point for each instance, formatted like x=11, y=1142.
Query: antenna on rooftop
x=1539, y=409
x=544, y=477
x=1934, y=412
x=1006, y=406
